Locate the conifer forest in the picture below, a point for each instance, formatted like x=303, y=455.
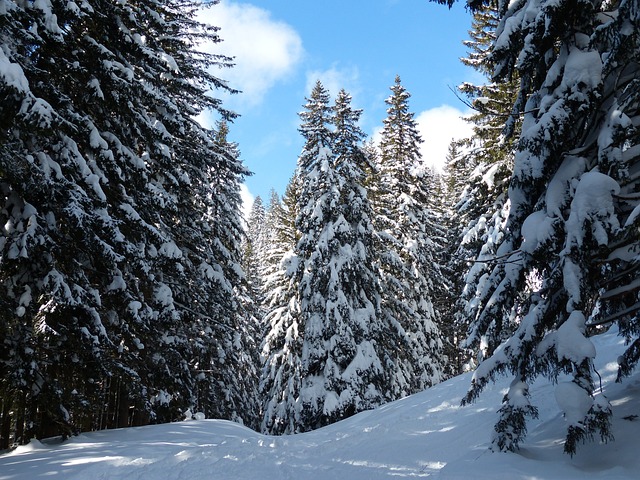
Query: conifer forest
x=133, y=291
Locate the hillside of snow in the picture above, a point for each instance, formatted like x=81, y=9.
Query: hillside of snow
x=425, y=435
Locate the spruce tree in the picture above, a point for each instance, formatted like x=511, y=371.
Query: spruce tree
x=281, y=351
x=226, y=334
x=338, y=292
x=571, y=223
x=479, y=172
x=254, y=245
x=407, y=237
x=454, y=263
x=327, y=354
x=116, y=245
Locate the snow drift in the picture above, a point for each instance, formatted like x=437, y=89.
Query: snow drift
x=425, y=435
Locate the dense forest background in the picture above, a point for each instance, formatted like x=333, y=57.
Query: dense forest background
x=132, y=293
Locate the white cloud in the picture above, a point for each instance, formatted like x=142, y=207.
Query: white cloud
x=334, y=79
x=376, y=136
x=247, y=201
x=438, y=126
x=265, y=50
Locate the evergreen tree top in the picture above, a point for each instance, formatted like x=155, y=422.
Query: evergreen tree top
x=316, y=111
x=347, y=134
x=400, y=143
x=315, y=123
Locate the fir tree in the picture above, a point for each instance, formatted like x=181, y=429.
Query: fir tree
x=479, y=171
x=227, y=335
x=570, y=226
x=454, y=264
x=342, y=371
x=281, y=374
x=116, y=248
x=326, y=355
x=407, y=233
x=273, y=217
x=254, y=245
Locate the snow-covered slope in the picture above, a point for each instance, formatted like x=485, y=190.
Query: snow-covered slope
x=425, y=435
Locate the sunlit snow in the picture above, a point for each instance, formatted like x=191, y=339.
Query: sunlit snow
x=427, y=435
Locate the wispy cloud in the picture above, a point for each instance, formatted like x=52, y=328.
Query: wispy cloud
x=265, y=50
x=334, y=79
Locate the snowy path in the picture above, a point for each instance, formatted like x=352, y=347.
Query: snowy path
x=424, y=436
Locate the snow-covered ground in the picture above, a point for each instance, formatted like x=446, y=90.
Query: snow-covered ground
x=425, y=435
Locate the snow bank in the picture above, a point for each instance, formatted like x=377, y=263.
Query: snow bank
x=428, y=435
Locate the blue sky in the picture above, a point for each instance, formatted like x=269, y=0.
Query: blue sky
x=282, y=47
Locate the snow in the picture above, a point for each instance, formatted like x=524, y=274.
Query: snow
x=489, y=176
x=117, y=283
x=12, y=74
x=170, y=62
x=593, y=201
x=25, y=298
x=427, y=435
x=570, y=340
x=96, y=141
x=518, y=392
x=51, y=20
x=163, y=295
x=632, y=216
x=572, y=279
x=535, y=229
x=574, y=401
x=170, y=250
x=583, y=69
x=557, y=193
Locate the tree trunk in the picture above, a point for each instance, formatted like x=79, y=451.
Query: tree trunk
x=5, y=425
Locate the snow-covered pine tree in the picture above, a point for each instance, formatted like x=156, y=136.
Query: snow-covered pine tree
x=318, y=201
x=281, y=352
x=453, y=266
x=226, y=335
x=256, y=226
x=280, y=231
x=280, y=215
x=254, y=244
x=341, y=371
x=406, y=244
x=572, y=224
x=271, y=218
x=105, y=183
x=478, y=175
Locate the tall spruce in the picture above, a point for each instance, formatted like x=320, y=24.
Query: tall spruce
x=119, y=216
x=254, y=245
x=568, y=257
x=342, y=371
x=407, y=236
x=454, y=263
x=228, y=334
x=478, y=169
x=281, y=352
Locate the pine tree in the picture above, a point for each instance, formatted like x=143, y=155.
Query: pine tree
x=326, y=355
x=571, y=226
x=407, y=236
x=281, y=356
x=227, y=334
x=279, y=218
x=107, y=195
x=254, y=244
x=479, y=172
x=454, y=262
x=342, y=372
